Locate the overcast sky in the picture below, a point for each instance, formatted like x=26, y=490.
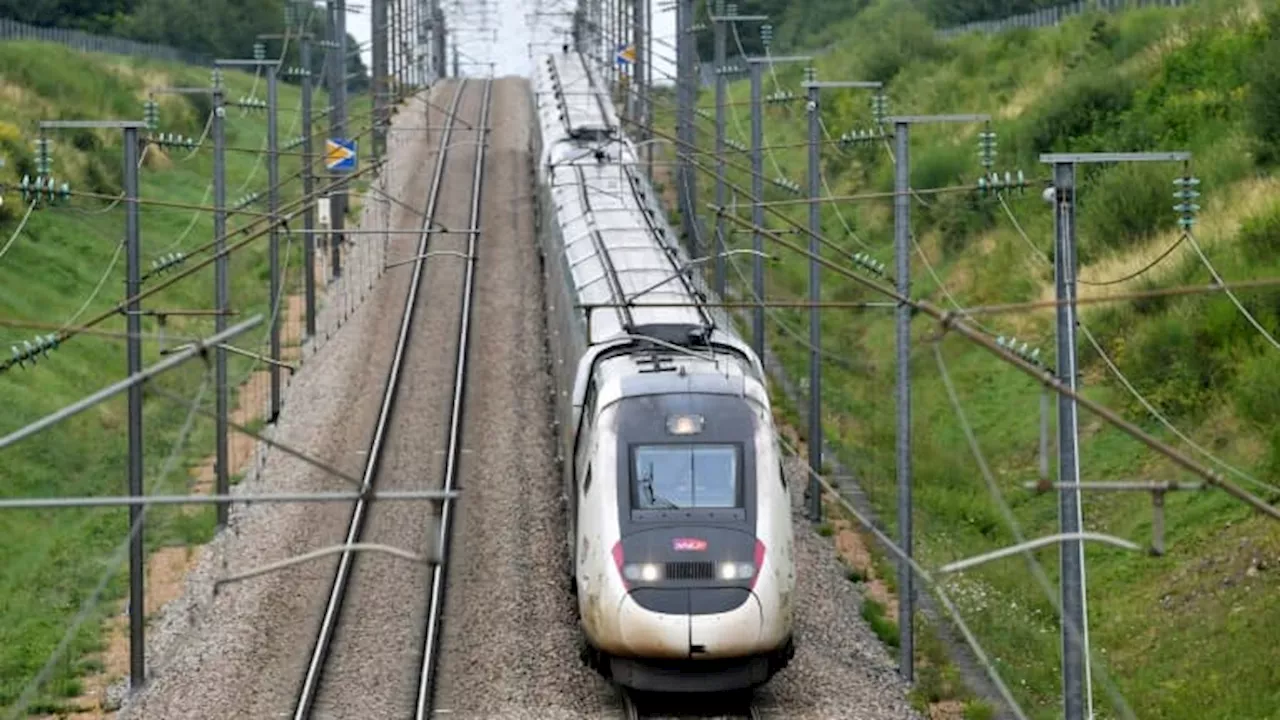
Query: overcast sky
x=516, y=29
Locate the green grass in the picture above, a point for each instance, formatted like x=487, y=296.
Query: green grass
x=1188, y=635
x=53, y=558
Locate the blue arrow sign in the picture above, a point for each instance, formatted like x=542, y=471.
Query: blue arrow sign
x=339, y=155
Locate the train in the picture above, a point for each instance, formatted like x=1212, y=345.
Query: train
x=679, y=524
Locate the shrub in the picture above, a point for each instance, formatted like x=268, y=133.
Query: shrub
x=1264, y=111
x=1089, y=106
x=1260, y=236
x=1256, y=394
x=1122, y=204
x=960, y=219
x=903, y=36
x=201, y=105
x=1173, y=361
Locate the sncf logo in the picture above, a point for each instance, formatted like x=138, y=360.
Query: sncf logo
x=689, y=544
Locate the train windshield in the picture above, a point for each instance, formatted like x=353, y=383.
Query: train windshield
x=676, y=477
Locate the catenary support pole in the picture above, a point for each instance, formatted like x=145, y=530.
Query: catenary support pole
x=133, y=325
x=273, y=248
x=380, y=83
x=815, y=295
x=221, y=468
x=757, y=209
x=338, y=127
x=647, y=98
x=686, y=96
x=718, y=26
x=391, y=43
x=308, y=184
x=1070, y=552
x=133, y=360
x=639, y=88
x=1044, y=434
x=755, y=67
x=902, y=272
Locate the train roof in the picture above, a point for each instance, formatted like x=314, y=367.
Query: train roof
x=618, y=247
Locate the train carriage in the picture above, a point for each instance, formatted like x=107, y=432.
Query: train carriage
x=679, y=521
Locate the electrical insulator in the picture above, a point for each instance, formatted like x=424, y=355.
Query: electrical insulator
x=1185, y=195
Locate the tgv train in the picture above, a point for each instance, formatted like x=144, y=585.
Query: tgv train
x=680, y=536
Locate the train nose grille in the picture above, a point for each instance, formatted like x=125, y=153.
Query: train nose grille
x=690, y=571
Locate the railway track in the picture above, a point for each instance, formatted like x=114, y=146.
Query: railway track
x=637, y=706
x=339, y=654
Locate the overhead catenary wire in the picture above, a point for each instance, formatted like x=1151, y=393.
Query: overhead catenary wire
x=1133, y=391
x=826, y=186
x=192, y=269
x=953, y=322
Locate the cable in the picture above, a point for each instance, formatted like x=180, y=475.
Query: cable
x=1115, y=370
x=1134, y=275
x=942, y=286
x=1037, y=252
x=115, y=257
x=13, y=238
x=1218, y=278
x=831, y=196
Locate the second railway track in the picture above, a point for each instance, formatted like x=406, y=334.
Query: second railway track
x=374, y=651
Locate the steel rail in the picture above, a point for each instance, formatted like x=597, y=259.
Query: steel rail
x=431, y=643
x=311, y=681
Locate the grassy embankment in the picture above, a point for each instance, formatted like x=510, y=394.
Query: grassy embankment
x=1192, y=634
x=53, y=559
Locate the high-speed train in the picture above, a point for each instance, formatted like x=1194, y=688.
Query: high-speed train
x=680, y=535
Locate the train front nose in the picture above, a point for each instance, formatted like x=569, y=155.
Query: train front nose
x=690, y=622
x=688, y=597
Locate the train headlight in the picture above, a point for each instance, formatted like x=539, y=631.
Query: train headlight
x=684, y=424
x=645, y=572
x=737, y=571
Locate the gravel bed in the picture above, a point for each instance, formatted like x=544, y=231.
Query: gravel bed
x=240, y=653
x=510, y=630
x=372, y=667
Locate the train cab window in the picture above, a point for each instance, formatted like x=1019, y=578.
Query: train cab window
x=677, y=477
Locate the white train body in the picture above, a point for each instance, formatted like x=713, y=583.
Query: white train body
x=679, y=534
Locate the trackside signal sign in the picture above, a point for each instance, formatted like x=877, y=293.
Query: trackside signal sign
x=339, y=155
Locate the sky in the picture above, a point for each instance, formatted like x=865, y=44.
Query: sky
x=516, y=29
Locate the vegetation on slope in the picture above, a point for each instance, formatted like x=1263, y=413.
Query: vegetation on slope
x=221, y=28
x=819, y=23
x=1188, y=635
x=66, y=267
